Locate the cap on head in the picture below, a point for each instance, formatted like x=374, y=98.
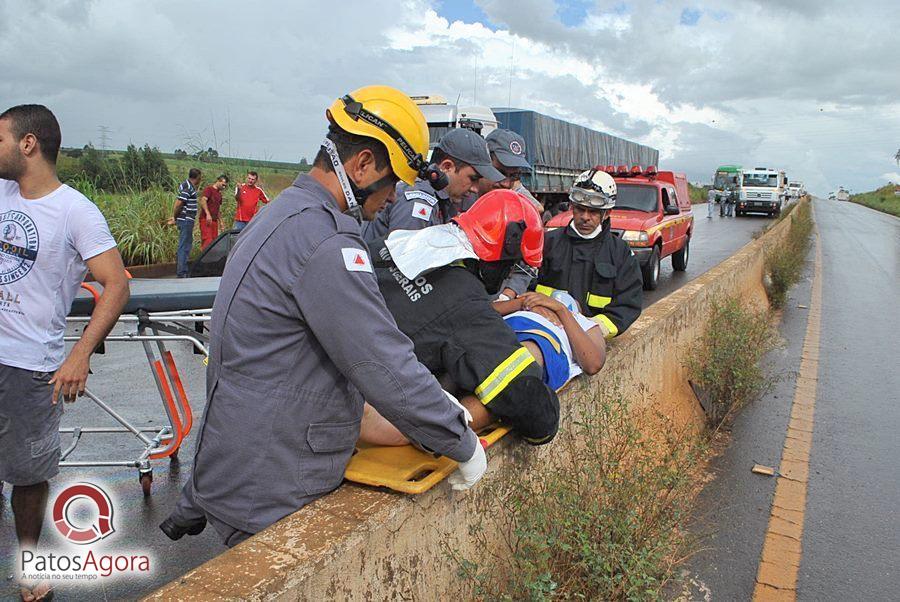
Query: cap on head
x=469, y=147
x=509, y=149
x=390, y=116
x=503, y=224
x=594, y=189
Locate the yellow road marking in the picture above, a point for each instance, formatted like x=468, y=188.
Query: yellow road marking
x=776, y=578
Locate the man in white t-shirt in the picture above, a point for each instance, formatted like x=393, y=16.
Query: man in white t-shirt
x=50, y=235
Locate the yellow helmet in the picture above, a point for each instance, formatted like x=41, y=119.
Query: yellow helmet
x=390, y=116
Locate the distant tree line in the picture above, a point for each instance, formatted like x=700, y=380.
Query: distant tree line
x=136, y=169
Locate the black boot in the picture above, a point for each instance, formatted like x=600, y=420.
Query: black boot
x=176, y=531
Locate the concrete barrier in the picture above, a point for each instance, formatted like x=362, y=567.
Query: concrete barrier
x=361, y=543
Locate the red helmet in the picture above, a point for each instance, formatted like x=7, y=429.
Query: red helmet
x=503, y=224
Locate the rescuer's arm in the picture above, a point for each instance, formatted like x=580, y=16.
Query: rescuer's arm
x=368, y=348
x=628, y=297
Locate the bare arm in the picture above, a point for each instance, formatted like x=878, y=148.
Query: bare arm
x=204, y=208
x=176, y=211
x=589, y=347
x=109, y=271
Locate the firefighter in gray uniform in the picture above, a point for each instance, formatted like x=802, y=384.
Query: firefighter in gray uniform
x=300, y=336
x=458, y=162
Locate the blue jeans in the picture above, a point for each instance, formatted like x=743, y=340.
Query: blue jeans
x=185, y=242
x=239, y=225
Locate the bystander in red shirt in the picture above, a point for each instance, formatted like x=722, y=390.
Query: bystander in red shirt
x=248, y=199
x=209, y=229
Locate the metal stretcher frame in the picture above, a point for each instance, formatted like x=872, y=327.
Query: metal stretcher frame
x=153, y=330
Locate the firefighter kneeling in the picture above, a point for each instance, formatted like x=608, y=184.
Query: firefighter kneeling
x=588, y=261
x=437, y=284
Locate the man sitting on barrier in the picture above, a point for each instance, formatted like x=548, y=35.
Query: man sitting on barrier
x=437, y=283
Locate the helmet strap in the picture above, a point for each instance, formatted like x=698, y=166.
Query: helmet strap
x=347, y=187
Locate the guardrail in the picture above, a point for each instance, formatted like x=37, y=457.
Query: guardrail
x=360, y=543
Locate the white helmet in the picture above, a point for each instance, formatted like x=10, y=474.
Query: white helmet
x=594, y=189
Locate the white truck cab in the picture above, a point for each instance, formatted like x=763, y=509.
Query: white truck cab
x=795, y=190
x=763, y=190
x=442, y=117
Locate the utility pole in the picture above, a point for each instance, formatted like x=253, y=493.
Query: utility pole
x=104, y=137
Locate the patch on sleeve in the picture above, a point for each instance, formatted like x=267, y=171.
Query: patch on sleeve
x=422, y=211
x=356, y=260
x=421, y=195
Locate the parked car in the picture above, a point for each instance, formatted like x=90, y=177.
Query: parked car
x=653, y=215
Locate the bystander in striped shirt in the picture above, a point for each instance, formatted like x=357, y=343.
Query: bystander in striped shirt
x=187, y=194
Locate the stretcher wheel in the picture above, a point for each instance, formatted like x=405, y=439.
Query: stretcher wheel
x=146, y=479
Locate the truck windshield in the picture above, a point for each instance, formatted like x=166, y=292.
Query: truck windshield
x=724, y=180
x=436, y=130
x=769, y=180
x=636, y=197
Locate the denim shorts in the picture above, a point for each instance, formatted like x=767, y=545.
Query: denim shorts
x=29, y=427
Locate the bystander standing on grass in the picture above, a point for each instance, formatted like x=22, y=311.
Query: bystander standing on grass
x=210, y=203
x=184, y=214
x=248, y=196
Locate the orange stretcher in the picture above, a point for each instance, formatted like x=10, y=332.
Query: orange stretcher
x=161, y=312
x=406, y=468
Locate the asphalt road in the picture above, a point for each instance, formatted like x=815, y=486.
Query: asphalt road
x=122, y=378
x=714, y=240
x=851, y=537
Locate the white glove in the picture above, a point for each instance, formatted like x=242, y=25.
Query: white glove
x=455, y=402
x=469, y=472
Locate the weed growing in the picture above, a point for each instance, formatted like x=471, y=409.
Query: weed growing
x=602, y=522
x=725, y=362
x=784, y=263
x=884, y=199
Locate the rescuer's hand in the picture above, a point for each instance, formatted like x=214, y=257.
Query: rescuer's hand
x=469, y=472
x=455, y=402
x=602, y=327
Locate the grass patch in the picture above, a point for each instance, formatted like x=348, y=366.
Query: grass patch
x=882, y=199
x=137, y=217
x=602, y=521
x=784, y=263
x=724, y=363
x=699, y=194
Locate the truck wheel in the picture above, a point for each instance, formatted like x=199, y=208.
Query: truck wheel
x=650, y=272
x=680, y=257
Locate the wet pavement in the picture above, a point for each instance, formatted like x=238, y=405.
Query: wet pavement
x=122, y=377
x=851, y=534
x=714, y=240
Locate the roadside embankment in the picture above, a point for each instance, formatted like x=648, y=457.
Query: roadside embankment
x=361, y=543
x=884, y=199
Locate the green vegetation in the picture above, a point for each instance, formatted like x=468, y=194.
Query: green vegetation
x=784, y=263
x=724, y=363
x=135, y=189
x=698, y=193
x=602, y=521
x=882, y=199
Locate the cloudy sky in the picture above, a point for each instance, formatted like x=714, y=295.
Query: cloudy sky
x=811, y=86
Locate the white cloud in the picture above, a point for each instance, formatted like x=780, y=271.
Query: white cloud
x=806, y=85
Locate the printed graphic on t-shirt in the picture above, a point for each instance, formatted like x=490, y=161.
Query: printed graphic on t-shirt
x=19, y=244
